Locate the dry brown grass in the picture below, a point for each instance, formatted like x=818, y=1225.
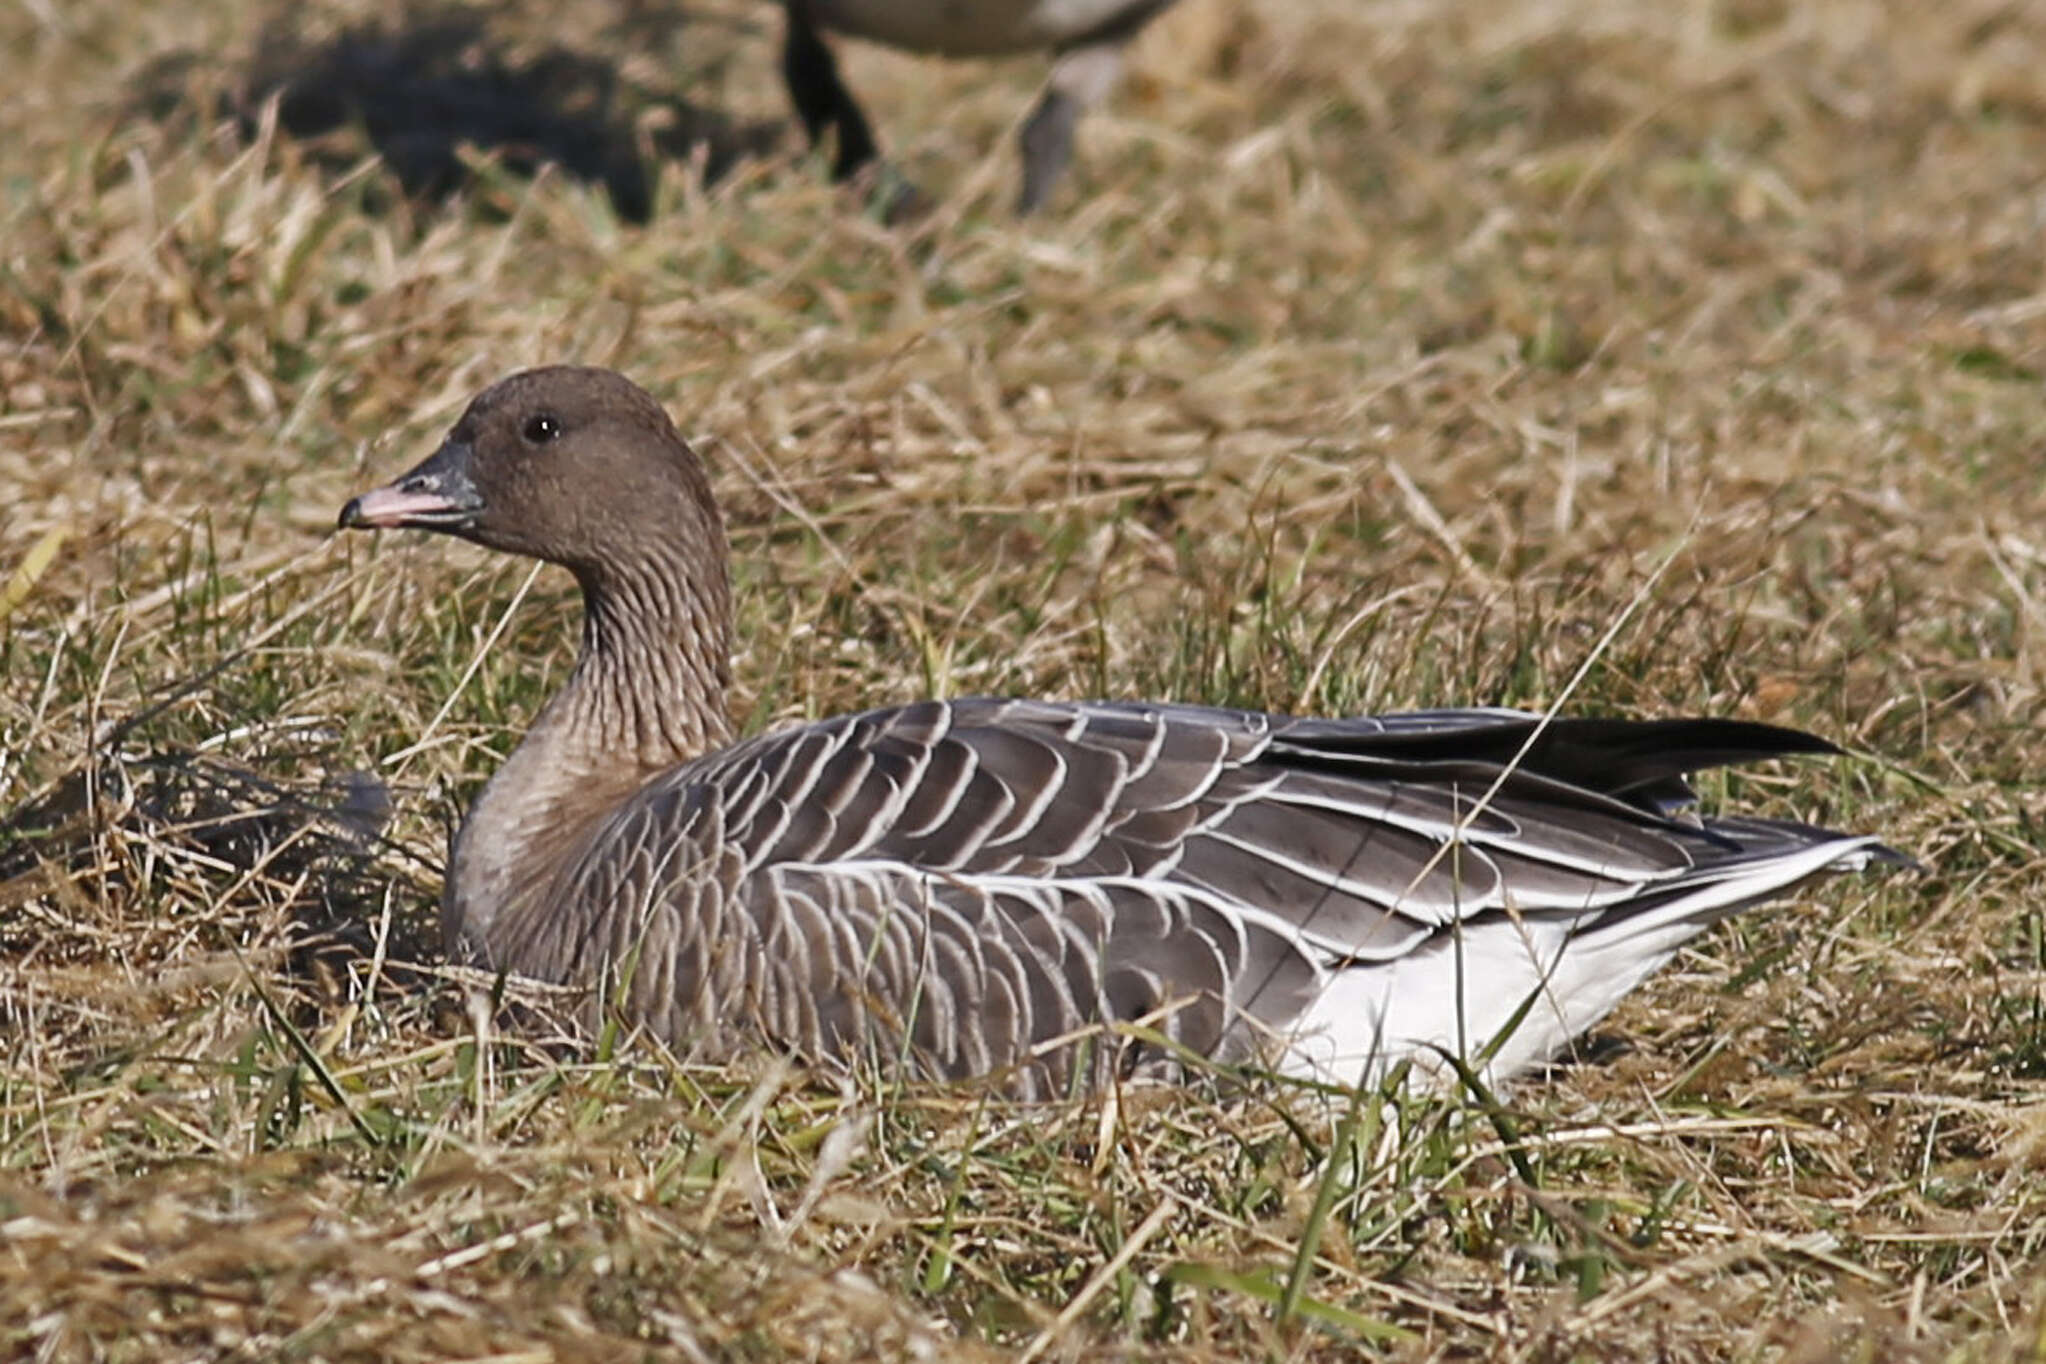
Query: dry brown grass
x=1379, y=356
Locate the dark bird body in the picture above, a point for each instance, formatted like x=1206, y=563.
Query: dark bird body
x=1088, y=38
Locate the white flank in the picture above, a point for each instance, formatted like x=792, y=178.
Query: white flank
x=1460, y=991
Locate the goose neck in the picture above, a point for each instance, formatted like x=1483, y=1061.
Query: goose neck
x=647, y=694
x=655, y=665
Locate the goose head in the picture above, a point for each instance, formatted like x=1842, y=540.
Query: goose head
x=582, y=468
x=577, y=466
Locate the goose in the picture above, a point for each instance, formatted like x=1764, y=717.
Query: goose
x=1088, y=38
x=988, y=887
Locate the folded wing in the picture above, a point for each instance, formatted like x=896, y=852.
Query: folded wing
x=962, y=887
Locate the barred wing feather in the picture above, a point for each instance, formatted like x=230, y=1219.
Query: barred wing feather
x=958, y=887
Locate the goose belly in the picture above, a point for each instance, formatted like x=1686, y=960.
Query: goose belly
x=1519, y=992
x=976, y=28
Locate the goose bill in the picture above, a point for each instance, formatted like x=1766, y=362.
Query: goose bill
x=436, y=496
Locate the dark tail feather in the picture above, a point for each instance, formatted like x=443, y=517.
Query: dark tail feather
x=1643, y=761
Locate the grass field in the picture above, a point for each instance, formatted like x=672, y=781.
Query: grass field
x=1379, y=355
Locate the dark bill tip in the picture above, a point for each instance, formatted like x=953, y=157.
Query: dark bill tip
x=395, y=507
x=435, y=496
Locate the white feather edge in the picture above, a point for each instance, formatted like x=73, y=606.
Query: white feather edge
x=1458, y=990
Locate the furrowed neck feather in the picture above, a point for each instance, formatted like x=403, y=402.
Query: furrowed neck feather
x=656, y=656
x=647, y=694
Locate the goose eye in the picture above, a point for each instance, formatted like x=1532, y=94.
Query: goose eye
x=542, y=428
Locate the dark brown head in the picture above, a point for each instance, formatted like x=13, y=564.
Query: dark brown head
x=577, y=466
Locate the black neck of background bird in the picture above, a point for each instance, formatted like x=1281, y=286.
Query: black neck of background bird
x=656, y=658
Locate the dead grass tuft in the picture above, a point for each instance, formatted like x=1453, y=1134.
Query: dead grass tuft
x=1378, y=356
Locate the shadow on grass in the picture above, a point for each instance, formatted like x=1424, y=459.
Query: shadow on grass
x=161, y=827
x=420, y=91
